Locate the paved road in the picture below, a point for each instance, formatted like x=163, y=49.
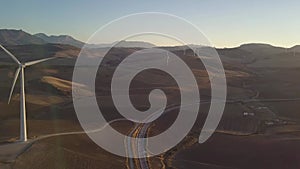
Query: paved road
x=9, y=152
x=141, y=131
x=137, y=149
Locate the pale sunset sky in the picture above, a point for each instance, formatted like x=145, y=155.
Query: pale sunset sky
x=225, y=23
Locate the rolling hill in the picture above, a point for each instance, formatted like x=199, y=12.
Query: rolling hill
x=18, y=37
x=60, y=39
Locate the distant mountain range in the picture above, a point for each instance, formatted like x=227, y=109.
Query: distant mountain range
x=124, y=44
x=60, y=39
x=19, y=37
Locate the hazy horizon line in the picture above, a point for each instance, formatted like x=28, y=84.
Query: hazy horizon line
x=159, y=45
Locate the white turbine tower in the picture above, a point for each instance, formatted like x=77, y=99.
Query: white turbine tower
x=168, y=57
x=20, y=69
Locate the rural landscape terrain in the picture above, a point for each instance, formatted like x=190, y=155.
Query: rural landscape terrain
x=260, y=127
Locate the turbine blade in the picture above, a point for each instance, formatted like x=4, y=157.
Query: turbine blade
x=38, y=61
x=14, y=83
x=11, y=55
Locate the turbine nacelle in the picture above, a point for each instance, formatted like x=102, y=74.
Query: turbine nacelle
x=22, y=65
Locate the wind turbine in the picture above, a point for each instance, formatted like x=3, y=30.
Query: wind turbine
x=168, y=57
x=21, y=69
